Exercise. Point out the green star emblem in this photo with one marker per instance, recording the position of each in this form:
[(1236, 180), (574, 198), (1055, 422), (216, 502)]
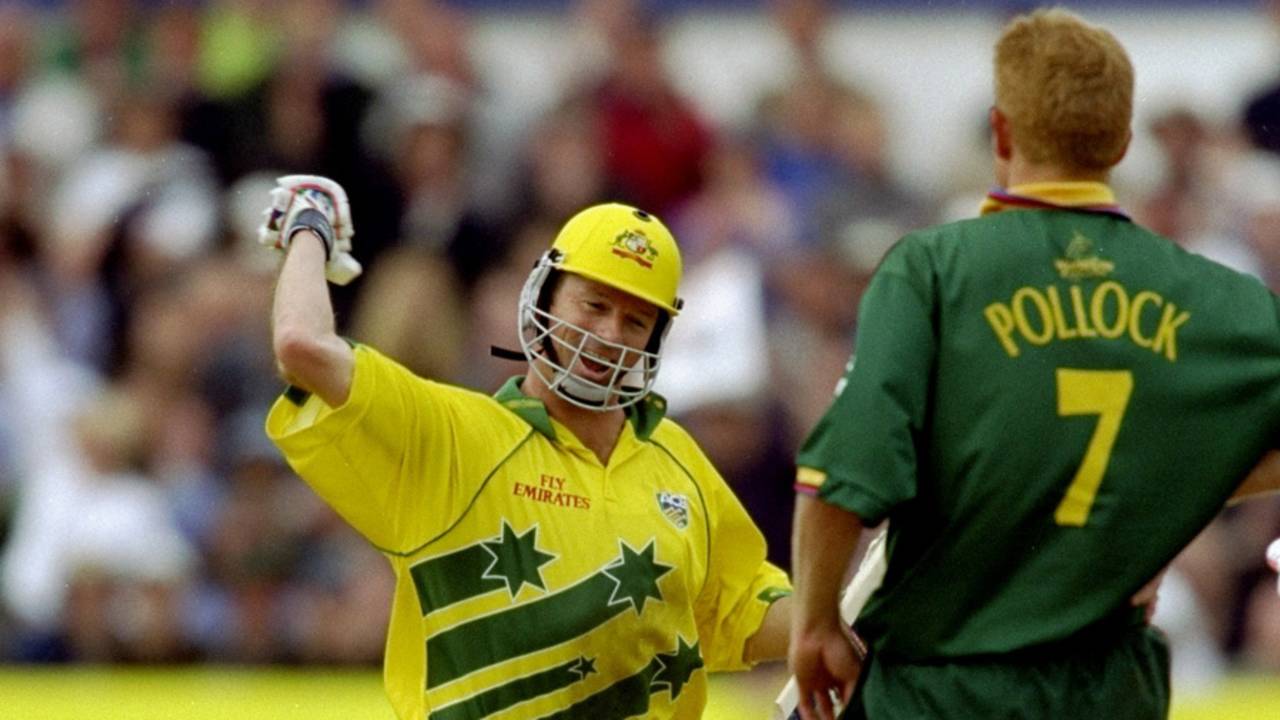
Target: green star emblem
[(677, 667), (584, 667), (636, 575), (517, 561)]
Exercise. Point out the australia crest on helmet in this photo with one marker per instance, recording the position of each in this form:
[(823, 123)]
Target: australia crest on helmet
[(633, 245)]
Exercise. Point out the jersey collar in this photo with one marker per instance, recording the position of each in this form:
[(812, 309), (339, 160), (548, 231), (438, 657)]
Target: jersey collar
[(1093, 197), (644, 415)]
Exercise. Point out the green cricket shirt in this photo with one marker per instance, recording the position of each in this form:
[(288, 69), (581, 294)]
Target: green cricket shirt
[(1047, 403)]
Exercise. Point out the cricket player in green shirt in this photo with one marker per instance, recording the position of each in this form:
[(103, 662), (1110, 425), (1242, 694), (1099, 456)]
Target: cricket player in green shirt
[(1047, 404), (561, 549)]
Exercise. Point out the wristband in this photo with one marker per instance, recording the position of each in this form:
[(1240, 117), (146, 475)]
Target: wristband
[(315, 221)]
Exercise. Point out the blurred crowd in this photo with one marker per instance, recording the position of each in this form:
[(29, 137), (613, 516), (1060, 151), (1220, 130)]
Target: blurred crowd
[(144, 517)]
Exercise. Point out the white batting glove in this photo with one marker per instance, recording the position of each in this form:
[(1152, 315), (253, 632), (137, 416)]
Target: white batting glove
[(318, 204)]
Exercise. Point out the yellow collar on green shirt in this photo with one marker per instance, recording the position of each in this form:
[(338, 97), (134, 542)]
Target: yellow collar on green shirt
[(1075, 195)]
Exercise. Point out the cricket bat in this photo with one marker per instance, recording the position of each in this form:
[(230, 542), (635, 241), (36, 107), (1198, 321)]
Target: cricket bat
[(868, 577)]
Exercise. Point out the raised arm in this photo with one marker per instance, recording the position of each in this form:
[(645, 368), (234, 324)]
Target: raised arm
[(309, 353), (310, 222)]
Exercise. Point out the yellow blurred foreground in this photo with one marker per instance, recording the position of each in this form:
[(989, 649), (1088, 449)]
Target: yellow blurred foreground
[(230, 693)]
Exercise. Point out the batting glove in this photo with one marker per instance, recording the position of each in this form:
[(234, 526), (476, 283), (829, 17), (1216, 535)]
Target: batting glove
[(318, 204)]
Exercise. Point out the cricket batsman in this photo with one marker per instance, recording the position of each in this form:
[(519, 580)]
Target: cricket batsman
[(561, 548)]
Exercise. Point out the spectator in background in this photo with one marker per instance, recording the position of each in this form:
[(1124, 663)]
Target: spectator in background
[(414, 296), (738, 230), (804, 23), (562, 165), (1187, 205), (655, 144), (129, 567), (795, 133), (281, 567), (96, 567), (123, 217), (15, 60), (1262, 110), (739, 209), (432, 38), (822, 146), (239, 41), (422, 126), (1175, 207), (399, 39), (100, 42), (858, 211), (490, 317), (816, 140), (171, 46), (1253, 190), (863, 193), (795, 120), (413, 305)]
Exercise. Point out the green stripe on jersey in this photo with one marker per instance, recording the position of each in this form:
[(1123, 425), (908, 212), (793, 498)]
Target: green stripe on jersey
[(517, 691), (452, 578), (510, 561), (625, 698), (628, 581), (630, 695)]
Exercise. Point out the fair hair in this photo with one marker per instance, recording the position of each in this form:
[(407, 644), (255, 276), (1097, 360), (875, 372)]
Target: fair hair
[(1066, 87)]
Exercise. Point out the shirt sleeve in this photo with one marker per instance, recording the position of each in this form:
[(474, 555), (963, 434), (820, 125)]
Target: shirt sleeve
[(861, 456), (740, 585), (384, 460)]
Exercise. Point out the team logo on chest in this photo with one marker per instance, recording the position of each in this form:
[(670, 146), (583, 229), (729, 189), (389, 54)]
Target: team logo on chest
[(675, 507)]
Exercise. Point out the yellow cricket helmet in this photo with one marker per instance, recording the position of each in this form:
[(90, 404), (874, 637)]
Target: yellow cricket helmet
[(622, 247)]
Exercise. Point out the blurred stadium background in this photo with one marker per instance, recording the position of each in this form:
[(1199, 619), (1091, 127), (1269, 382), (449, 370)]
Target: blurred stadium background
[(156, 558)]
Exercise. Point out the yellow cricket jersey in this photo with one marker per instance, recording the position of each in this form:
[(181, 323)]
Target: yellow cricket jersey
[(531, 581)]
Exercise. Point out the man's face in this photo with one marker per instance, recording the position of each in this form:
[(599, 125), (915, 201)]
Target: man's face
[(616, 317)]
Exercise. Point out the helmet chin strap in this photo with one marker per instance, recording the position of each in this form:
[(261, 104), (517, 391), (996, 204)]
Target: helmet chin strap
[(583, 391), (585, 394)]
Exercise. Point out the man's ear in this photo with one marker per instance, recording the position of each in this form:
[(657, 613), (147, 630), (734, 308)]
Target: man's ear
[(1001, 137)]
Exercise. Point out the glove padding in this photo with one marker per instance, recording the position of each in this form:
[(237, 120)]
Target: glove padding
[(292, 197)]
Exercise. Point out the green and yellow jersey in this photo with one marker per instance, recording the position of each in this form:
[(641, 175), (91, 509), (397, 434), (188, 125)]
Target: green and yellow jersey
[(1048, 403), (532, 581)]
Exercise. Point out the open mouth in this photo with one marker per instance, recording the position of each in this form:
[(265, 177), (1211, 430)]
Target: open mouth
[(594, 368)]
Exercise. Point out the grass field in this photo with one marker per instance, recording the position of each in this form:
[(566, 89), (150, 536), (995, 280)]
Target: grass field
[(229, 693)]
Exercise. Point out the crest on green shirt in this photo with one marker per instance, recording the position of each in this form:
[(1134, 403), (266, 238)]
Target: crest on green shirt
[(1082, 260)]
